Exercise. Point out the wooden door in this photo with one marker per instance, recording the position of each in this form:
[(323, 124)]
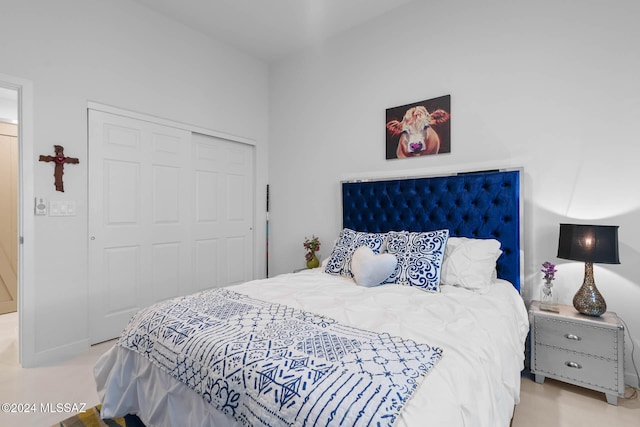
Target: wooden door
[(8, 217), (167, 216), (223, 212)]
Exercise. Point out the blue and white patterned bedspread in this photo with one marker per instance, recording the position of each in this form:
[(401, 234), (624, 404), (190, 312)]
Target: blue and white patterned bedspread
[(267, 364)]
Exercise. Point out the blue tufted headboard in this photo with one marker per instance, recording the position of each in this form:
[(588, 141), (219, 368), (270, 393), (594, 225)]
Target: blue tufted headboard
[(477, 205)]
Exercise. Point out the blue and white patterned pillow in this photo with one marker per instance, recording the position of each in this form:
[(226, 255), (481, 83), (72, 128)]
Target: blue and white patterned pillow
[(419, 258), (339, 263)]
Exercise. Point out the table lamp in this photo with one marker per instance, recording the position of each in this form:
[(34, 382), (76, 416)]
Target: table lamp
[(589, 243)]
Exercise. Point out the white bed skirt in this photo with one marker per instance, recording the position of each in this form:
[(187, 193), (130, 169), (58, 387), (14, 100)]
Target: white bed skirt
[(129, 384), (477, 382)]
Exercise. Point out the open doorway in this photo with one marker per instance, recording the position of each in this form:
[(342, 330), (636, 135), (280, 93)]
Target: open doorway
[(9, 211)]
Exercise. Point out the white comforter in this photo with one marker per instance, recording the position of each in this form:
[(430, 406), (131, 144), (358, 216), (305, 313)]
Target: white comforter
[(477, 382)]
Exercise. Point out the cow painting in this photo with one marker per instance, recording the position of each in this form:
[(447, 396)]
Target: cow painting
[(420, 130)]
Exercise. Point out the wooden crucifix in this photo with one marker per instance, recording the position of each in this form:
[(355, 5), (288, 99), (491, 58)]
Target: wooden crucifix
[(60, 161)]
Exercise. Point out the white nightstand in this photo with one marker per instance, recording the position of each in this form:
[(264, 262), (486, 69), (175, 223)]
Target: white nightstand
[(578, 349)]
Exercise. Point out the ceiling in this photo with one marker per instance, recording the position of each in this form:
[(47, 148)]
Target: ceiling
[(265, 29), (272, 29)]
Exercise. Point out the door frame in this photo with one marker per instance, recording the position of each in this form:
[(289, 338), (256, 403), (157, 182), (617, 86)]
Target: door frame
[(26, 297)]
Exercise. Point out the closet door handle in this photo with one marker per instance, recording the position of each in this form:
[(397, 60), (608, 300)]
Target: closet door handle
[(572, 337), (573, 365)]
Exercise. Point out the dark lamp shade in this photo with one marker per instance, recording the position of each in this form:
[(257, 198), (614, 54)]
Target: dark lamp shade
[(589, 243)]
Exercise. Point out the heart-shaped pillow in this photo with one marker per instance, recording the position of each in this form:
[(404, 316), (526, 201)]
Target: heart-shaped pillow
[(370, 269)]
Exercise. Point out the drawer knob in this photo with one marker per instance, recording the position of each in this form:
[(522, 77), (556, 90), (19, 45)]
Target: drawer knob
[(572, 337), (573, 365)]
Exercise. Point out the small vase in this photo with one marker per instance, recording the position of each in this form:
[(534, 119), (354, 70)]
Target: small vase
[(547, 296), (313, 262)]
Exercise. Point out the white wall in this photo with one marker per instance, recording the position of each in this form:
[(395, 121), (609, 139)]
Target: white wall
[(121, 54), (550, 86)]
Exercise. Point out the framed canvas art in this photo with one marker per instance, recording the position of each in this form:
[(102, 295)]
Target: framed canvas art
[(419, 129)]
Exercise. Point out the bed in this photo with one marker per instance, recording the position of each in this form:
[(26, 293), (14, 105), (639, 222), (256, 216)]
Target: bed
[(442, 343)]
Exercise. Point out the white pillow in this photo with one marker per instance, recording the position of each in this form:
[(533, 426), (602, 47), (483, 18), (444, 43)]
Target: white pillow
[(469, 263), (370, 269)]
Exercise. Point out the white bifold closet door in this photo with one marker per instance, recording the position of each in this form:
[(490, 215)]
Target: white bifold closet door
[(171, 212)]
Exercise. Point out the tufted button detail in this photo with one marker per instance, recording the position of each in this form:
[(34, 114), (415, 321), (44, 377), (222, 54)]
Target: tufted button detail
[(473, 205)]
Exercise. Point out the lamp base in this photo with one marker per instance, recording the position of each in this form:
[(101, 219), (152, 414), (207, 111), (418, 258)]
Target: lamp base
[(588, 300)]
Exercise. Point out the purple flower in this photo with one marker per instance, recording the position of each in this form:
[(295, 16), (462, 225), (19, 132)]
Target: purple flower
[(549, 271)]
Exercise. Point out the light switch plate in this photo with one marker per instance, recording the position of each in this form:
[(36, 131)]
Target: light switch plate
[(62, 208)]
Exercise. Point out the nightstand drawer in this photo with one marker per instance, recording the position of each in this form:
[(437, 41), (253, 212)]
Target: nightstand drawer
[(589, 370), (598, 341)]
